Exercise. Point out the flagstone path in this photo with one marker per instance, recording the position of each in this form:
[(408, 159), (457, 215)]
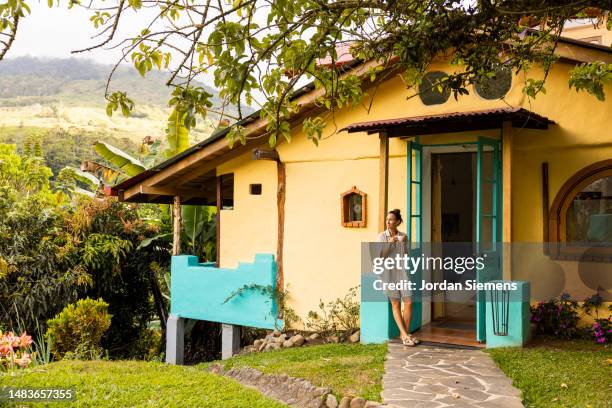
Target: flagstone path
[(430, 377)]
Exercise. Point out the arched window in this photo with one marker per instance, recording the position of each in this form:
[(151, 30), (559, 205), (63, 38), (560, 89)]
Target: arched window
[(581, 214), (353, 208)]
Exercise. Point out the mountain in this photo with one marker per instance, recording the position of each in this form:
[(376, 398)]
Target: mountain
[(69, 93), (59, 105)]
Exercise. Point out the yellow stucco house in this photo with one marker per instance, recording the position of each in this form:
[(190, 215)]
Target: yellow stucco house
[(493, 167)]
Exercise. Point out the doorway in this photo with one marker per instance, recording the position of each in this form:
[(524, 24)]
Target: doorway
[(453, 212)]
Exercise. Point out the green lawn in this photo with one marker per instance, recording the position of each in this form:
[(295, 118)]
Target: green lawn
[(555, 373), (348, 369), (137, 384)]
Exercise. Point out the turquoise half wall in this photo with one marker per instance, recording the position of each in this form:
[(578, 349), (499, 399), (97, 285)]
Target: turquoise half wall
[(243, 296), (519, 316), (376, 318)]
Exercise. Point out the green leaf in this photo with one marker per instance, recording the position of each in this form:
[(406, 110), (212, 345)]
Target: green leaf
[(86, 178), (177, 134), (118, 158)]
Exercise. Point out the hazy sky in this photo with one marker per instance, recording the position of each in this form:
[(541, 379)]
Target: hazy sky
[(54, 32)]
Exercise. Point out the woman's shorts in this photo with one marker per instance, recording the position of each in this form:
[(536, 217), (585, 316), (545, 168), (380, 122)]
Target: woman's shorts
[(398, 294)]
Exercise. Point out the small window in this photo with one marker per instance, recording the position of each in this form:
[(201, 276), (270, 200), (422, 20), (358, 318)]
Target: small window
[(227, 191), (431, 90), (255, 189), (353, 208), (497, 86)]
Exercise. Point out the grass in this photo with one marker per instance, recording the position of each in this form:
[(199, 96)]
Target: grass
[(137, 384), (559, 373), (348, 369)]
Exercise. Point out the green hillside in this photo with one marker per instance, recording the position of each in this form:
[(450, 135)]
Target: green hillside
[(60, 102)]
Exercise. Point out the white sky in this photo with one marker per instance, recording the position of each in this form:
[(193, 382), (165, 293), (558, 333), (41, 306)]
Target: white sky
[(54, 32)]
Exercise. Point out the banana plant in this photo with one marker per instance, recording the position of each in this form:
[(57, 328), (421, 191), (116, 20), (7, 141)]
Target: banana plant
[(123, 162), (177, 135)]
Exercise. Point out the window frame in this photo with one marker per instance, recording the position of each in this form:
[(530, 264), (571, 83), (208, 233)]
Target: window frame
[(557, 216), (345, 210)]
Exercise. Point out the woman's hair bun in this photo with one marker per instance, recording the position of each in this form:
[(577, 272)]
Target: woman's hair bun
[(398, 215)]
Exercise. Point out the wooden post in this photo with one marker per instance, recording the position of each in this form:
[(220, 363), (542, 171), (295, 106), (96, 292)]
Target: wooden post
[(218, 216), (507, 146), (178, 226), (280, 207), (545, 207), (383, 186)]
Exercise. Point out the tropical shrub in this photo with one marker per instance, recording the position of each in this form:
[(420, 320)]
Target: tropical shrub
[(38, 272), (79, 328), (557, 317), (341, 314), (14, 350)]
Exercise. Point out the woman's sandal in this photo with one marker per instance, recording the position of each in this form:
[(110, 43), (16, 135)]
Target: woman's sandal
[(414, 339), (408, 341)]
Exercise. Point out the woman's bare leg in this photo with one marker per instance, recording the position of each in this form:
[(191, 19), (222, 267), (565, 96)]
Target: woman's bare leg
[(397, 315), (407, 313)]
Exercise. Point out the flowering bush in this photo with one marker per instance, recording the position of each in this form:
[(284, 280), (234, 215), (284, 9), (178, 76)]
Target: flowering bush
[(14, 350), (557, 317), (602, 330), (79, 328)]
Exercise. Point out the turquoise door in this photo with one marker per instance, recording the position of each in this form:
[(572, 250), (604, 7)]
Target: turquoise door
[(414, 220), (488, 222)]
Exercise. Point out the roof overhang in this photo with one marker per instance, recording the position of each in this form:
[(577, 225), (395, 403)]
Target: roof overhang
[(453, 122), (190, 174)]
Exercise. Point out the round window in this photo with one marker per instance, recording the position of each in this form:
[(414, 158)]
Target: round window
[(431, 90), (497, 86)]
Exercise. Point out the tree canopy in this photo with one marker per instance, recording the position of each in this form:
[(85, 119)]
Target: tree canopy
[(270, 48)]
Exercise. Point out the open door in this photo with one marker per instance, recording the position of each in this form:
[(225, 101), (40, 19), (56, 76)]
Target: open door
[(414, 227), (488, 222)]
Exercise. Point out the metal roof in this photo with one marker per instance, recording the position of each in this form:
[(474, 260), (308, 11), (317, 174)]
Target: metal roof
[(453, 122)]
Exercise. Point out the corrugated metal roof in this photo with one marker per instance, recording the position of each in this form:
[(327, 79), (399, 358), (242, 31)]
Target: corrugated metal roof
[(453, 122)]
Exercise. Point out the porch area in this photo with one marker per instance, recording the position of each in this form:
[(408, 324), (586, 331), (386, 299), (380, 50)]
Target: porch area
[(483, 225)]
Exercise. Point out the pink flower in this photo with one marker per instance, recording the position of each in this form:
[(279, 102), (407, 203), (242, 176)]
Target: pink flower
[(24, 360), (6, 345), (14, 340), (25, 340)]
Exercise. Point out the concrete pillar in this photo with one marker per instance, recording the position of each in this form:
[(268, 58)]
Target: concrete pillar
[(175, 340), (230, 340)]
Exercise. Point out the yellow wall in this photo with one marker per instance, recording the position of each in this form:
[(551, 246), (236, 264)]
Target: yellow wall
[(322, 258), (251, 226)]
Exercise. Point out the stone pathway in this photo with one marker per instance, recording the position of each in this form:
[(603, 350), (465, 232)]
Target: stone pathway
[(429, 376)]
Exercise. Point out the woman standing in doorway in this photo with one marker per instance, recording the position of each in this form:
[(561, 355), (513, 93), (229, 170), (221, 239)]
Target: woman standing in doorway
[(397, 245)]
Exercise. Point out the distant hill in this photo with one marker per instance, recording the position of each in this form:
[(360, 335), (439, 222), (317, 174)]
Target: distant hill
[(54, 79), (69, 93), (60, 103)]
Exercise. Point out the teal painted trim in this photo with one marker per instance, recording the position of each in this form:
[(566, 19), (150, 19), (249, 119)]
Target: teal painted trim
[(493, 263), (199, 291), (409, 192), (519, 317), (415, 179), (376, 317)]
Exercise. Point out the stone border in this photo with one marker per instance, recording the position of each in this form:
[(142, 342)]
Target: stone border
[(295, 392)]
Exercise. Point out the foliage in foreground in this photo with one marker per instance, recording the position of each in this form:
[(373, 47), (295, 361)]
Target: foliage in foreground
[(79, 328), (348, 369), (57, 246), (559, 373), (111, 384)]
